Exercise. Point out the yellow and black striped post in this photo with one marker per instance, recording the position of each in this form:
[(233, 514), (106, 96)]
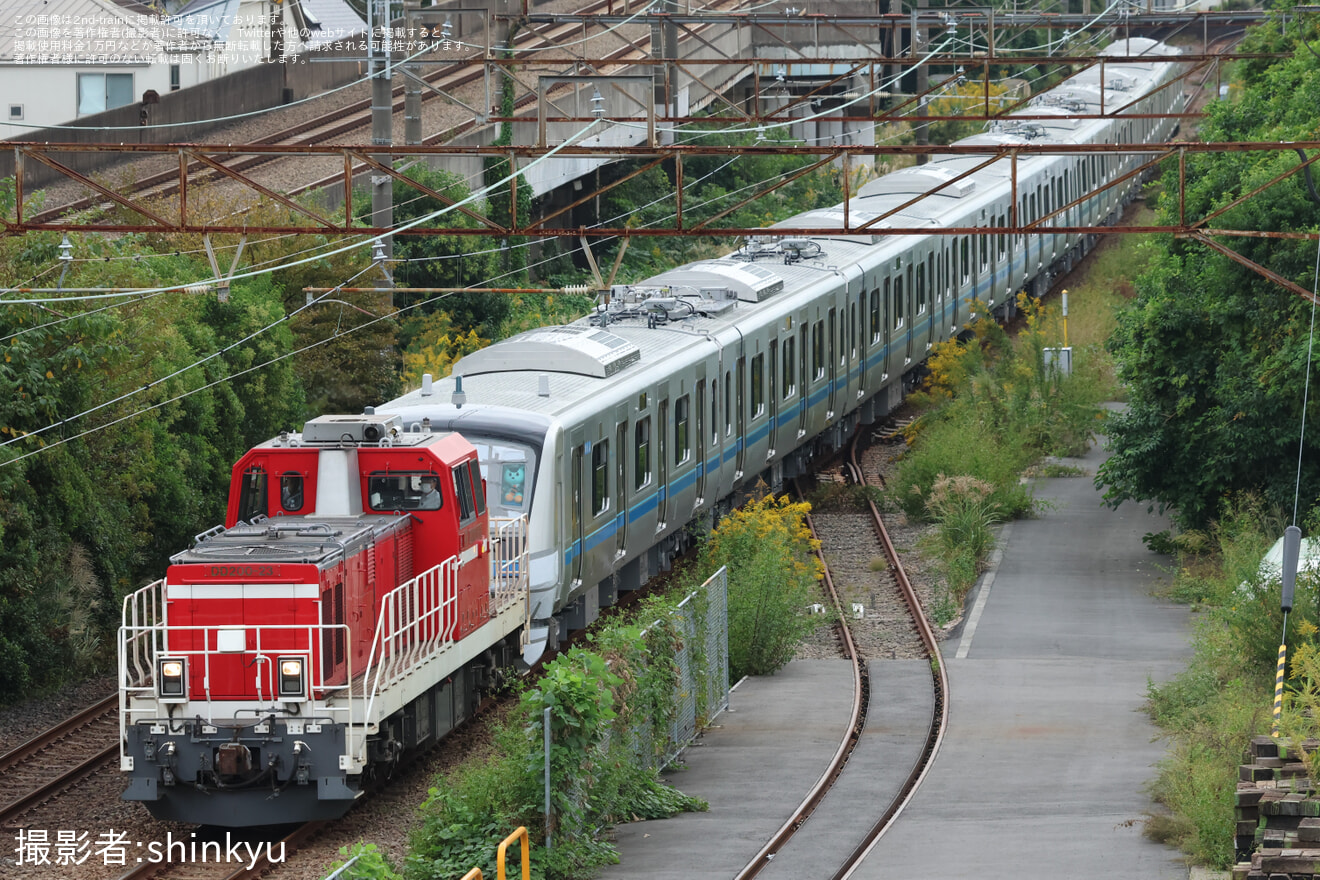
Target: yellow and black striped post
[(1278, 689)]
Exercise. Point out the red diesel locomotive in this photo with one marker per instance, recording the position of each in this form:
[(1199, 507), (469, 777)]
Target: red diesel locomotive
[(354, 604)]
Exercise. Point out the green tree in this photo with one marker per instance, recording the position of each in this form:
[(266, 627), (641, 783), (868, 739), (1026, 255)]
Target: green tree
[(1213, 355)]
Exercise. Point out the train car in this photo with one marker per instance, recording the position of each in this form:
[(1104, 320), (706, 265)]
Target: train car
[(622, 434), (353, 605)]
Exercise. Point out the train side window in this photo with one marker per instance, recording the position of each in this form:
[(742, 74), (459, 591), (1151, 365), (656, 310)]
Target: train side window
[(790, 367), (714, 412), (985, 250), (876, 311), (698, 411), (758, 385), (818, 350), (252, 500), (600, 477), (965, 258), (728, 403), (852, 328), (479, 489), (291, 491), (921, 288), (682, 440), (1002, 237), (642, 453), (898, 302)]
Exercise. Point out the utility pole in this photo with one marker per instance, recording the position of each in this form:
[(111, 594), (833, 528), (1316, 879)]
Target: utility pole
[(382, 118), (412, 89), (382, 135), (920, 37)]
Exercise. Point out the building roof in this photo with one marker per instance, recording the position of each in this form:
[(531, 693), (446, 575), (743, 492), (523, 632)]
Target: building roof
[(87, 31), (328, 21), (212, 19)]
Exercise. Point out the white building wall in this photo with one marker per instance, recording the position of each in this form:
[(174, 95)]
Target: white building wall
[(48, 93)]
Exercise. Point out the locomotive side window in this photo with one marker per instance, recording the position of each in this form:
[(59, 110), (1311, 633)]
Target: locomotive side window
[(642, 453), (467, 508), (252, 499), (291, 491), (478, 495), (600, 477)]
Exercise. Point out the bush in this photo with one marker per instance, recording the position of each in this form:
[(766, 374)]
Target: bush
[(610, 705), (773, 573)]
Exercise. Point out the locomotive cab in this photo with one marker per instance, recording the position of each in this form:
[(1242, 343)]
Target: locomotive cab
[(316, 634)]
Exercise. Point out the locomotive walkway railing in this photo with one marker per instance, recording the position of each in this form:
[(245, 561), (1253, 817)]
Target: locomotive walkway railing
[(419, 620), (145, 636)]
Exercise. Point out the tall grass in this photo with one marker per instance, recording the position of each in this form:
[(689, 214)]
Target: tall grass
[(1212, 708)]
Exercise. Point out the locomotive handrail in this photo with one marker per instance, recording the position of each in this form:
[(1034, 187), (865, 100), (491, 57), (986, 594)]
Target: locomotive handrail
[(419, 619), (143, 638)]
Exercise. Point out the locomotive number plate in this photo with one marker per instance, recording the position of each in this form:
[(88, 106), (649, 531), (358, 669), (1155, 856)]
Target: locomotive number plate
[(242, 571)]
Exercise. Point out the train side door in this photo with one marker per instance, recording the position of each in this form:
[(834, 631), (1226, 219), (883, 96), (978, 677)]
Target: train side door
[(621, 481), (740, 411), (699, 414), (773, 383), (577, 480), (804, 377), (662, 460), (832, 352), (909, 318)]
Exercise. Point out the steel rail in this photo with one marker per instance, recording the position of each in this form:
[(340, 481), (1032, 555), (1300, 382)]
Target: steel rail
[(91, 714), (58, 784), (856, 722), (940, 683)]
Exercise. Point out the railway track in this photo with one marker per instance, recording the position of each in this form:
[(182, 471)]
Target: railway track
[(857, 537), (50, 762), (352, 117)]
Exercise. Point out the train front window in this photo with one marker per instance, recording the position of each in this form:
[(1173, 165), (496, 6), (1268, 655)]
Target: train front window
[(291, 491), (509, 469), (403, 491)]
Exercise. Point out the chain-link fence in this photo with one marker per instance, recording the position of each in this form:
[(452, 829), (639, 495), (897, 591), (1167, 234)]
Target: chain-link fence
[(703, 661), (698, 631)]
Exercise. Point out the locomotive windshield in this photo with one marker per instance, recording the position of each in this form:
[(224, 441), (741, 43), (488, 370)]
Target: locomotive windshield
[(509, 470), (403, 491)]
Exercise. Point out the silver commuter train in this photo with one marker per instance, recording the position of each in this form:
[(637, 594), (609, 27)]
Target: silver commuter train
[(620, 432)]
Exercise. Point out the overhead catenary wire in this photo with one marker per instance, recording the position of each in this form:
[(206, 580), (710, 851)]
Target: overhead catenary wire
[(417, 221)]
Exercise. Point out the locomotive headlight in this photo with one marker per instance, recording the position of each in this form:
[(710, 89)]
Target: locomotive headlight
[(172, 679), (293, 685)]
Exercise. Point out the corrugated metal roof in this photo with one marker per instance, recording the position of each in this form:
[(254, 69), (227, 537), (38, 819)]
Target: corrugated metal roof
[(328, 21), (212, 19)]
